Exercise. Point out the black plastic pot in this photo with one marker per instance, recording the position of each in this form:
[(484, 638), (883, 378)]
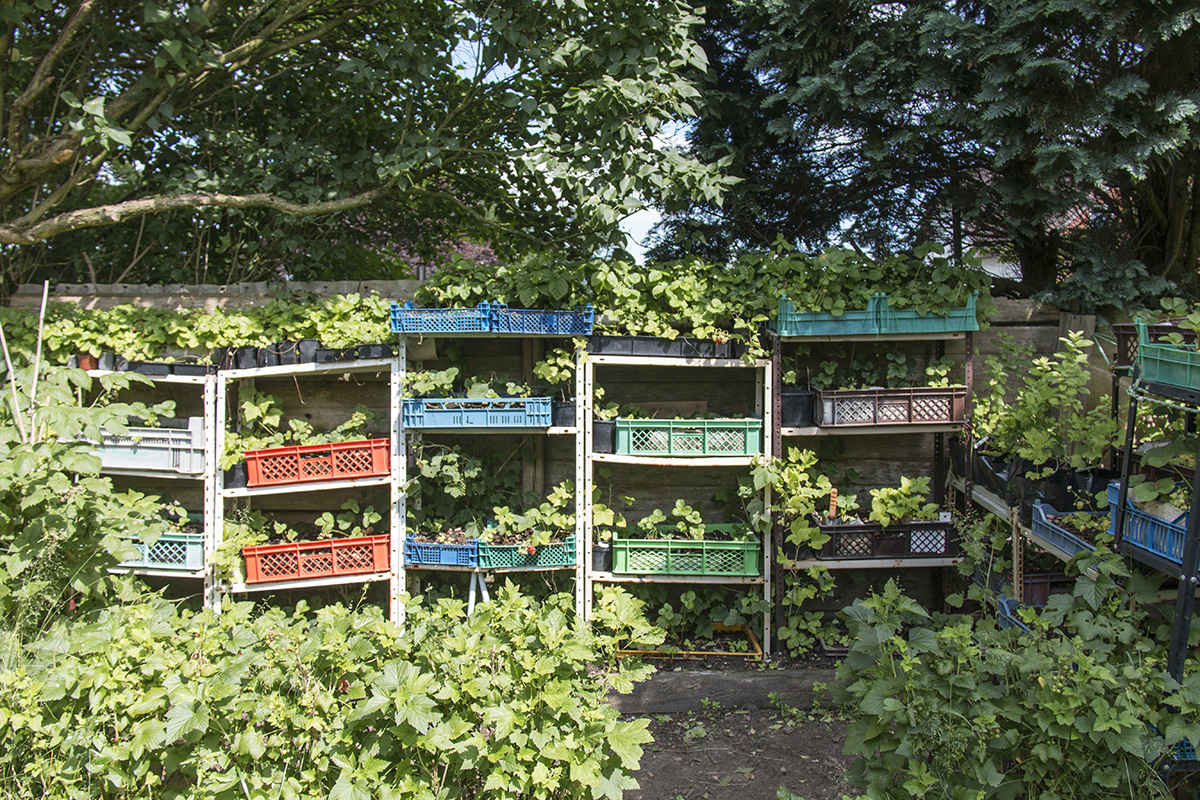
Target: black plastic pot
[(562, 413), (120, 363), (797, 407), (654, 346), (236, 476), (610, 345), (286, 352), (374, 351), (194, 370), (267, 356), (696, 348), (329, 355), (246, 358), (223, 357), (107, 361), (604, 435), (602, 559), (149, 367), (306, 350)]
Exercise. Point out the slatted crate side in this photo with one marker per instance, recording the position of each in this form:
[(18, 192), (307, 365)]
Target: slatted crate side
[(325, 558), (318, 462), (902, 406)]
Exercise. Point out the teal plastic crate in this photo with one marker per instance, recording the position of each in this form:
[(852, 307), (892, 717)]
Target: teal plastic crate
[(688, 437), (687, 557), (181, 551), (453, 413), (511, 556), (856, 322), (1166, 363), (906, 320), (143, 449)]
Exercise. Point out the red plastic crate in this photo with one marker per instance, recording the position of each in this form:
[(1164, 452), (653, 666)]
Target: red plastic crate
[(296, 560), (318, 462)]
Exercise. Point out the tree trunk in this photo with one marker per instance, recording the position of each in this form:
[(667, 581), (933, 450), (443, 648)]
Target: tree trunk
[(1038, 255)]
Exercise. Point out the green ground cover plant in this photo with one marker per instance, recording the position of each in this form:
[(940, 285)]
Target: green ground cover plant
[(144, 700)]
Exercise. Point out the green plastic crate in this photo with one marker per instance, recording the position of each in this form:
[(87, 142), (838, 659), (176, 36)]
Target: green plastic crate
[(687, 557), (1166, 363), (906, 320), (854, 322), (689, 437), (508, 556)]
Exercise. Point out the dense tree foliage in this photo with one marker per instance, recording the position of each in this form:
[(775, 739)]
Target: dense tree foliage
[(1059, 135), (227, 140)]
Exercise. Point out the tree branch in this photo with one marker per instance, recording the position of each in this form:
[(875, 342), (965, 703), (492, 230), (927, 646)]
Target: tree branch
[(113, 214)]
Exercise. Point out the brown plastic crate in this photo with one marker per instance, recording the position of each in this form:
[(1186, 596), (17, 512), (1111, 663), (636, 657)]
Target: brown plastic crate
[(909, 406)]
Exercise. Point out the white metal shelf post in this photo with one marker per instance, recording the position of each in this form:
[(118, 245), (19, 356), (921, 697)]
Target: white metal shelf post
[(583, 485), (398, 585), (212, 494)]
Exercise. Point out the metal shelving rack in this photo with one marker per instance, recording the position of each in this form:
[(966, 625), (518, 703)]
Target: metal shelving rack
[(395, 576), (208, 386), (477, 584), (586, 461)]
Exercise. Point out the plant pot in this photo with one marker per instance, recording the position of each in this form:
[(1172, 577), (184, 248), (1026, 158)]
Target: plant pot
[(610, 345), (222, 357), (120, 363), (245, 358), (106, 362), (604, 435), (267, 357), (236, 476), (602, 557), (696, 348), (149, 368), (562, 413), (286, 352), (87, 361), (797, 407), (306, 351), (328, 355), (374, 351), (193, 370), (656, 347)]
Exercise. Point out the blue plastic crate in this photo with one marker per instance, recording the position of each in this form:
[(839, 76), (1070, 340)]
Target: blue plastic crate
[(542, 321), (182, 551), (1057, 535), (1158, 536), (441, 555), (455, 413), (1006, 614), (407, 319)]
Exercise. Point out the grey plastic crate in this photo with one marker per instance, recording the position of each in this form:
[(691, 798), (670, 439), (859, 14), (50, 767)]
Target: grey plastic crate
[(178, 450)]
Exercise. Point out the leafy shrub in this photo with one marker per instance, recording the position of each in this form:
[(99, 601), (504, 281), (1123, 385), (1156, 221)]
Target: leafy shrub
[(148, 702), (951, 706)]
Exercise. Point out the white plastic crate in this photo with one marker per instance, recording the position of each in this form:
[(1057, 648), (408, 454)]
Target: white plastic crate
[(155, 449)]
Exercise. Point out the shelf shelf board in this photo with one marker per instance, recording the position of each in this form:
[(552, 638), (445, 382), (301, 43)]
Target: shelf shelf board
[(875, 563), (154, 474), (312, 486), (197, 380), (743, 580), (676, 361), (150, 572), (562, 431), (683, 461), (499, 570), (484, 431), (307, 583), (312, 368), (882, 338), (868, 430)]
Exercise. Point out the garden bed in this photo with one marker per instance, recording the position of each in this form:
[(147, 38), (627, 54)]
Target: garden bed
[(326, 558)]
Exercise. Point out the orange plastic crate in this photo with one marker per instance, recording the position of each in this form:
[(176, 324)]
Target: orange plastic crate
[(297, 560), (318, 462)]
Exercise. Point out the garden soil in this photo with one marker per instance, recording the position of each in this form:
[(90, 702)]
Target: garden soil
[(733, 729)]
